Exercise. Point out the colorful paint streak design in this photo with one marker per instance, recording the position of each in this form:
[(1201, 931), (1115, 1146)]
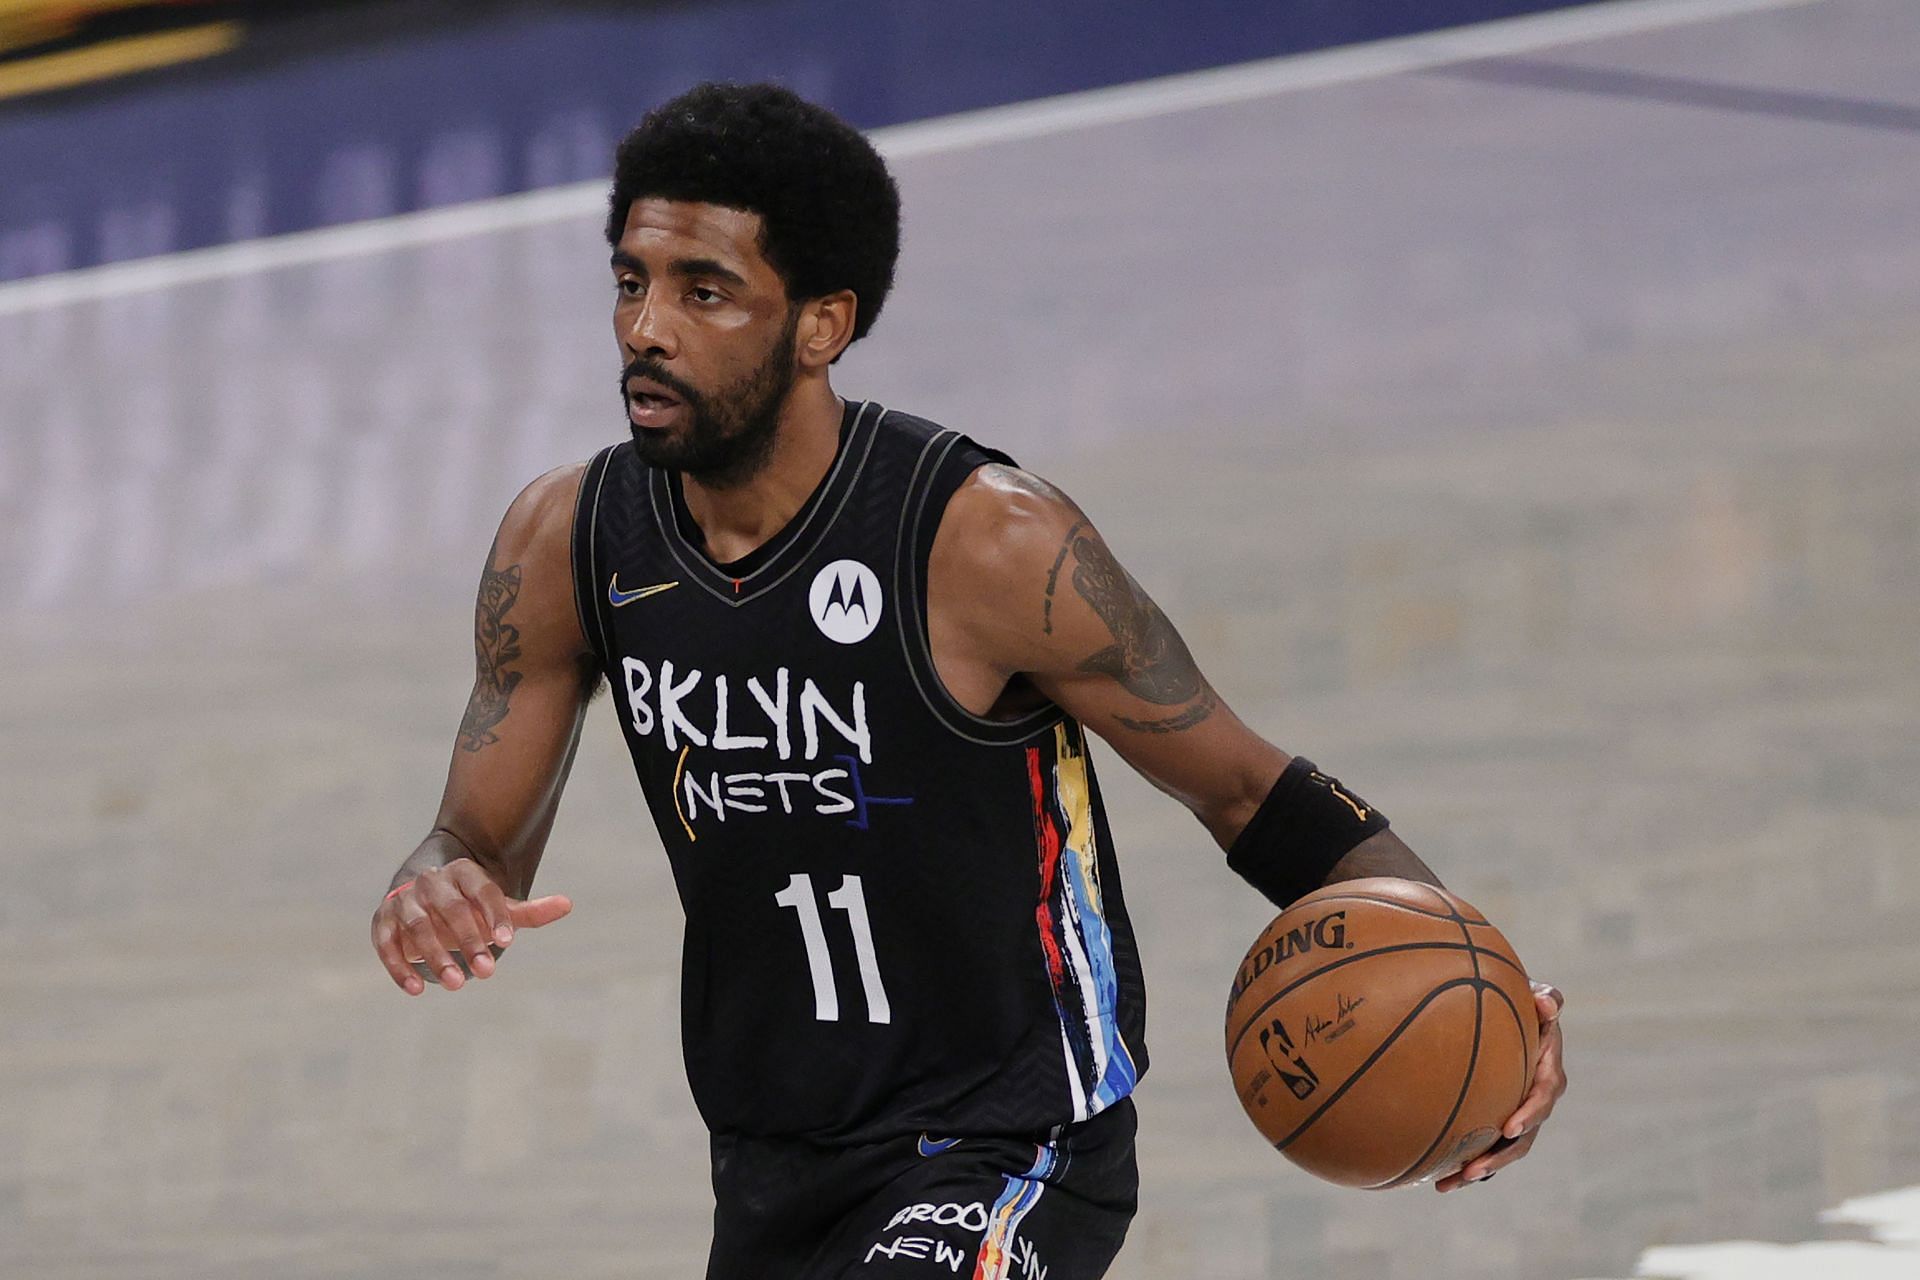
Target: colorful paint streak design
[(1074, 936), (996, 1256)]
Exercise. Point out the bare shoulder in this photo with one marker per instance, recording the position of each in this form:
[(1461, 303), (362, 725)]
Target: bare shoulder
[(1001, 517), (540, 518), (1004, 547), (1016, 493)]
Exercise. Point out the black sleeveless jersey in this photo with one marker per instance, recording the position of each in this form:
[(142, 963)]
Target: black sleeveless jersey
[(900, 916)]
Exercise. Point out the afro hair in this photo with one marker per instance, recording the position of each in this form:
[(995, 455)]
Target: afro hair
[(829, 209)]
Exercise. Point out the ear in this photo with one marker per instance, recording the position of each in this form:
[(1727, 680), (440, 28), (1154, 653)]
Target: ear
[(825, 327)]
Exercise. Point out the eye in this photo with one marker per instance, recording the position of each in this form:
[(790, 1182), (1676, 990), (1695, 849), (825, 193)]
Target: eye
[(701, 293), (630, 286)]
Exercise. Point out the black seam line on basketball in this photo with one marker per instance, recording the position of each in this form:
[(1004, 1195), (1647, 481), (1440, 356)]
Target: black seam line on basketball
[(1341, 963), (1404, 906), (1479, 1011), (1495, 955), (1473, 953), (1466, 1083), (1473, 1059), (1520, 1026), (1483, 989), (1466, 936), (1473, 1054), (1378, 1051)]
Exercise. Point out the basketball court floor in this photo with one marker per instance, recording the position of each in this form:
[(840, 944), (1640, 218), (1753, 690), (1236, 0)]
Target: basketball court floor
[(1519, 421)]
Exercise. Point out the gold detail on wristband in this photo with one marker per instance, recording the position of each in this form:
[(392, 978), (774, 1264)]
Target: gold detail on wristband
[(1360, 811)]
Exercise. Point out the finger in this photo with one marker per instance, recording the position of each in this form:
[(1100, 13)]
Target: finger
[(1549, 1000), (488, 899), (458, 921), (1495, 1158), (540, 911), (423, 940), (455, 917), (386, 944), (1549, 1082), (1459, 1177)]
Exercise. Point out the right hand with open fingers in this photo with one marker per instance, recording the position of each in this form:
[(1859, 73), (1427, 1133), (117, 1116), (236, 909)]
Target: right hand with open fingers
[(451, 922)]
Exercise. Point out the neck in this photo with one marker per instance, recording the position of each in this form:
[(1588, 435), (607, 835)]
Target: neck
[(739, 518)]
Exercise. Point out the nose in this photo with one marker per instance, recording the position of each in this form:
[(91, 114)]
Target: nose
[(649, 330)]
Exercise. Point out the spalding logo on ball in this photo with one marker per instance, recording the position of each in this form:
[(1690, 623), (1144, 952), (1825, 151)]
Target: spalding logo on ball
[(1380, 1032)]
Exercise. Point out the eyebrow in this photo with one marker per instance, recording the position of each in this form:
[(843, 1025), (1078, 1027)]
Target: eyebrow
[(709, 267)]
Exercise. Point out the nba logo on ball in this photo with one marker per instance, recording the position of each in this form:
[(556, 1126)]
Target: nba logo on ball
[(845, 601)]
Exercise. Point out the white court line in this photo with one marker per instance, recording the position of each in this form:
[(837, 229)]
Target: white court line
[(1094, 107), (1253, 80), (1892, 1219)]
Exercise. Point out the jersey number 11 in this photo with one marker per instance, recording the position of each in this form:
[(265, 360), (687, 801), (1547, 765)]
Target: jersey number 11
[(848, 898)]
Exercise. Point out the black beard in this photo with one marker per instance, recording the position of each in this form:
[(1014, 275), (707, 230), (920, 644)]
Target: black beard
[(730, 434)]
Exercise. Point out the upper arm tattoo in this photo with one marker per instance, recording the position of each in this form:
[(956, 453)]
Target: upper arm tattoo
[(496, 646), (1148, 658), (1053, 577)]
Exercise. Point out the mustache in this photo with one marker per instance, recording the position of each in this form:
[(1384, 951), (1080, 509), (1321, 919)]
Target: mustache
[(653, 370)]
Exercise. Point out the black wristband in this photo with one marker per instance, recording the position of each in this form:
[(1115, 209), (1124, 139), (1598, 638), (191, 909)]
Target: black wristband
[(1307, 823)]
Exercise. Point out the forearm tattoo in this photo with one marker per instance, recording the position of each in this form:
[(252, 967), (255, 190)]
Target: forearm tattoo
[(1148, 658), (1192, 716), (496, 646)]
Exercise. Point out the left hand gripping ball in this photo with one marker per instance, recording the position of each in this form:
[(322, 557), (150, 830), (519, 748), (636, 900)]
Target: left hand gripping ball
[(1380, 1032)]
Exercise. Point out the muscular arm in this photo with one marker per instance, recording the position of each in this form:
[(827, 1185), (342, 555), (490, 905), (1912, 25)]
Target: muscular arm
[(1024, 589), (533, 673)]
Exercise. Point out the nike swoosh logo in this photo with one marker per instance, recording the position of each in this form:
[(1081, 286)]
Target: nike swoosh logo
[(616, 597), (934, 1146)]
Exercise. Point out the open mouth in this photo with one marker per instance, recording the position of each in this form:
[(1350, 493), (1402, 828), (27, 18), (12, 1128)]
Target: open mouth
[(649, 404)]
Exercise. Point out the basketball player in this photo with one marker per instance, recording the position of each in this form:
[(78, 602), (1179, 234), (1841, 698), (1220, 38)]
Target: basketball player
[(855, 658)]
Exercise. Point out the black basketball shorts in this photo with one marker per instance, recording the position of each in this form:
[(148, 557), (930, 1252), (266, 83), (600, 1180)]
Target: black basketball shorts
[(926, 1206)]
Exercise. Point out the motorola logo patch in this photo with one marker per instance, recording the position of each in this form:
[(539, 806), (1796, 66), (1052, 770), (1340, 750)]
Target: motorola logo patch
[(845, 601)]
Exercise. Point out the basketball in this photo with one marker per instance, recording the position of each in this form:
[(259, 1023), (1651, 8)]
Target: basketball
[(1379, 1033)]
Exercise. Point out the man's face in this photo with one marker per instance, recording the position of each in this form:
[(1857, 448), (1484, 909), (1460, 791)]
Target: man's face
[(706, 332)]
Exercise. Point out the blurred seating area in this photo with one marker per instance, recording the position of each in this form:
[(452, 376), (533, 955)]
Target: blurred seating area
[(130, 128), (51, 46)]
